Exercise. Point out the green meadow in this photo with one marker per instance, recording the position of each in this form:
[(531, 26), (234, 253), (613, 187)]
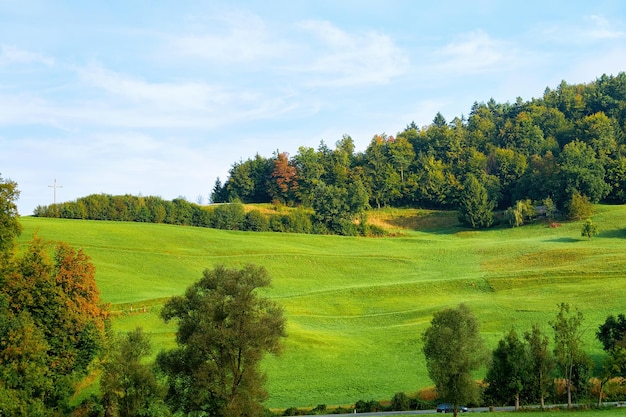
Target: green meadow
[(357, 307)]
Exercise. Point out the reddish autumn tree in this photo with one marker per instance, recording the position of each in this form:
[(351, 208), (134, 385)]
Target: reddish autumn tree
[(284, 180), (60, 297)]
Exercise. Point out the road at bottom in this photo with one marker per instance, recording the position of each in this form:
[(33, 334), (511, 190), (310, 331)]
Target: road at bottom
[(413, 412), (470, 410)]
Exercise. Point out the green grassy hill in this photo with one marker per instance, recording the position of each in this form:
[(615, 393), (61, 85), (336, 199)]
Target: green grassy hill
[(357, 307)]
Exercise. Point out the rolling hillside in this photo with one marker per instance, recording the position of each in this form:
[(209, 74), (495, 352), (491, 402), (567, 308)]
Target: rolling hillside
[(356, 307)]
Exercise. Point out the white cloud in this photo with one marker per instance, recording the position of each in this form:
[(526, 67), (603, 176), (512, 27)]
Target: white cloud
[(183, 95), (592, 29), (10, 54), (601, 28), (347, 59), (114, 100), (474, 52), (231, 39)]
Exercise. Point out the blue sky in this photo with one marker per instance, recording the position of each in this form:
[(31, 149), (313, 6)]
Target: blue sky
[(162, 97)]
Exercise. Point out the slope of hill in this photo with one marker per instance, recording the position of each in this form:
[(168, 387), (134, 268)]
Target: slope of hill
[(357, 307)]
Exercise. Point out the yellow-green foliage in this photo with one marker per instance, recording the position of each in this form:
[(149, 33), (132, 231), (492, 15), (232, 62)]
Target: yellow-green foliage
[(356, 308)]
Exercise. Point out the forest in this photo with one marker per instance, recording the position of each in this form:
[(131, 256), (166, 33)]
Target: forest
[(564, 147)]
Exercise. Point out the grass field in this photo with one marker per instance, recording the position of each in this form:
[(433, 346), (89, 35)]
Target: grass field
[(357, 307)]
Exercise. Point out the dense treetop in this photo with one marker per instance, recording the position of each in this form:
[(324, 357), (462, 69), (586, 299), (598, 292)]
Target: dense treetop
[(570, 140)]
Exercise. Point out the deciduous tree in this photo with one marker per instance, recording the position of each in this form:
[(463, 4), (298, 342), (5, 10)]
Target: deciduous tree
[(454, 349), (508, 374), (10, 227), (568, 344), (589, 229), (541, 362), (284, 180), (224, 330), (128, 384), (612, 331)]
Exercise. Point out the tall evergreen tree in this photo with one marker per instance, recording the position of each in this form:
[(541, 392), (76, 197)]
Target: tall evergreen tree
[(475, 208)]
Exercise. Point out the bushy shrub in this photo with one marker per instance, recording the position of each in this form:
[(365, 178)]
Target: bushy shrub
[(256, 221), (293, 411), (400, 402), (277, 223), (579, 207), (319, 409), (229, 216), (371, 406), (300, 222)]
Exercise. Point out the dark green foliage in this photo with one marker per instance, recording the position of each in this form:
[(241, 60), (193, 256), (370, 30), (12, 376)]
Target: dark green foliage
[(589, 229), (293, 411), (400, 402), (128, 385), (319, 409), (541, 364), (25, 375), (336, 207), (454, 349), (300, 222), (248, 181), (128, 208), (256, 221), (371, 406), (229, 216), (475, 208), (509, 372), (224, 330), (218, 194), (612, 332), (580, 171)]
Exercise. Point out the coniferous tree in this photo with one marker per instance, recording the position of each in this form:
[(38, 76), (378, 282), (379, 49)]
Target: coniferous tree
[(475, 208)]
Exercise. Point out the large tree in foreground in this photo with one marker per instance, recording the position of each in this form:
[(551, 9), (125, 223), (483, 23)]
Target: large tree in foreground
[(224, 329), (454, 349)]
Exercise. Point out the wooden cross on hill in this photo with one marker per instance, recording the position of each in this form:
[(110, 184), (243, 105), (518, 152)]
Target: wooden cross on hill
[(55, 186)]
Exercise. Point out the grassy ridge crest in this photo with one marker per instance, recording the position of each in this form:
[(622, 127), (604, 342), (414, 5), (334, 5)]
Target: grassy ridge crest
[(357, 307)]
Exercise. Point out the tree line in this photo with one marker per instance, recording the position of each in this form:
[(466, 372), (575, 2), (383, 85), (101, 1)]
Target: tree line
[(565, 150), (570, 142), (327, 218), (522, 369)]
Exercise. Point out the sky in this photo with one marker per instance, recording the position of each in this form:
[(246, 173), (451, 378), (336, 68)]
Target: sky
[(163, 97)]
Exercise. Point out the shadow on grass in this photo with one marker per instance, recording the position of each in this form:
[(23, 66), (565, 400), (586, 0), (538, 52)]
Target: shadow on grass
[(613, 234), (436, 222), (565, 240)]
